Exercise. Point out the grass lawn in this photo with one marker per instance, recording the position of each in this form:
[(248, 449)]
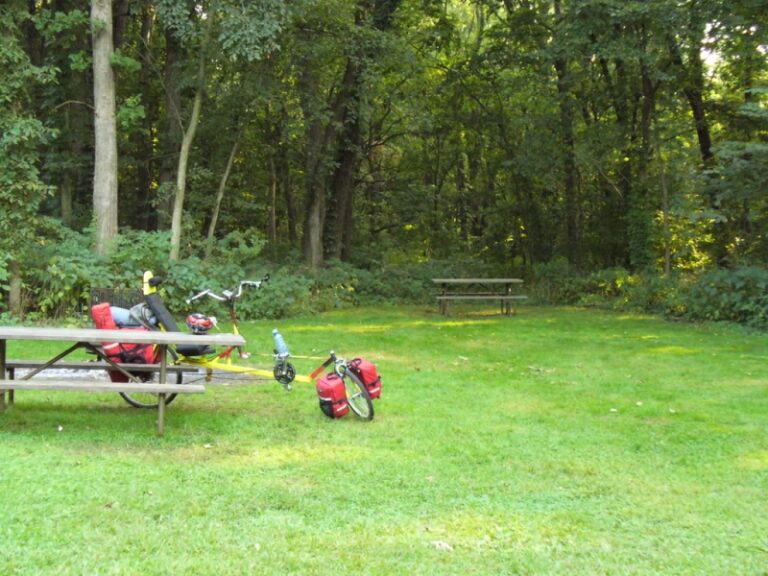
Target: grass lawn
[(558, 441)]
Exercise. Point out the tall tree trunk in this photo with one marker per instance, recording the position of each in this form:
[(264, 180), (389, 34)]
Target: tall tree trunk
[(340, 228), (146, 217), (693, 89), (666, 233), (121, 15), (272, 225), (615, 248), (692, 77), (566, 104), (181, 174), (66, 188), (171, 139), (640, 221), (105, 163), (286, 187), (279, 138), (15, 304), (314, 215), (573, 247), (186, 148), (343, 185), (320, 135), (220, 195)]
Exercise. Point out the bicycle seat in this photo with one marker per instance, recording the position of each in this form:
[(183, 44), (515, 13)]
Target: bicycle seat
[(194, 349), (165, 319)]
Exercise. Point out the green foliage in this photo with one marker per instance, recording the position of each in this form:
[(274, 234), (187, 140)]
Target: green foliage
[(737, 182), (80, 61), (123, 62), (21, 134), (58, 280), (249, 30), (52, 23), (287, 293), (134, 252), (739, 295), (130, 113), (176, 16), (557, 282)]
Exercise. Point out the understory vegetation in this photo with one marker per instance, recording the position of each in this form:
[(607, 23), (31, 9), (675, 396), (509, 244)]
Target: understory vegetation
[(59, 281)]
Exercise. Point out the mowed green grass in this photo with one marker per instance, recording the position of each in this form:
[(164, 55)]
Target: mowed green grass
[(557, 441)]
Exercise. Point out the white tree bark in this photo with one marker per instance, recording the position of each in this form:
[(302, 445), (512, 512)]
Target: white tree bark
[(105, 126)]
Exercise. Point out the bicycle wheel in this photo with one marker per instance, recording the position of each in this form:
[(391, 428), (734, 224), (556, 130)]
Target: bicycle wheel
[(141, 400), (357, 396), (285, 374)]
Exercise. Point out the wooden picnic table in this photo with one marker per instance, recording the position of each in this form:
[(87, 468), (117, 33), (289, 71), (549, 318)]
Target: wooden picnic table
[(91, 339), (502, 289)]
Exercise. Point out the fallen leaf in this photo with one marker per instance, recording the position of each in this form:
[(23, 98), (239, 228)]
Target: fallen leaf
[(440, 545)]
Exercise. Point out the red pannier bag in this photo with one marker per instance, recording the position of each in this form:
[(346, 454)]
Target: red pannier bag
[(368, 375), (332, 395), (117, 352)]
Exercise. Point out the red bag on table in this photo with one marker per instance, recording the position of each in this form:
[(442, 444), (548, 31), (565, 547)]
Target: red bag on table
[(117, 352)]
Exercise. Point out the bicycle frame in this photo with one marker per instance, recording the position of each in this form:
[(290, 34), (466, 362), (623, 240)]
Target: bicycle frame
[(283, 371)]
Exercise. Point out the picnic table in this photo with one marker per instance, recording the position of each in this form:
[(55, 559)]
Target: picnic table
[(502, 289), (91, 339)]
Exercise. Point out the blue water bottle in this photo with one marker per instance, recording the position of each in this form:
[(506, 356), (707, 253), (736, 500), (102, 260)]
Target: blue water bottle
[(281, 348)]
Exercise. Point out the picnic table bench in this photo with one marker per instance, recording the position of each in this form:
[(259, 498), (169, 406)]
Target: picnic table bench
[(91, 339), (501, 289)]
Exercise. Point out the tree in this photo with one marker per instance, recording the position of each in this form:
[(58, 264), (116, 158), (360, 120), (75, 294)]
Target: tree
[(243, 31), (21, 189), (105, 126)]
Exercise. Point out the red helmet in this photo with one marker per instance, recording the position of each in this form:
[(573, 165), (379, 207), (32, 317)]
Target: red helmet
[(200, 323)]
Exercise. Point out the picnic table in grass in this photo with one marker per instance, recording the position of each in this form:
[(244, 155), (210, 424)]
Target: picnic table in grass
[(91, 340), (505, 290)]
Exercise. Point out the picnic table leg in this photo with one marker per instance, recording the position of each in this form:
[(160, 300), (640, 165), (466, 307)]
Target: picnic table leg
[(161, 398), (161, 414), (2, 374)]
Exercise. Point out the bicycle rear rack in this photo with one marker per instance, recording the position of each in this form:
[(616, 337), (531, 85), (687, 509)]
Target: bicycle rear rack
[(121, 297)]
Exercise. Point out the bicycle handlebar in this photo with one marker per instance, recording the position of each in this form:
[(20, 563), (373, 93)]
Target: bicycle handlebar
[(229, 295)]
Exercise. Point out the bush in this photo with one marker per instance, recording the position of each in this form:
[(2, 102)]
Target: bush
[(737, 295), (557, 282), (58, 280)]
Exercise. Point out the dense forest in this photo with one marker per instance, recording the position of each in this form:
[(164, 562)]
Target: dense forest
[(598, 140)]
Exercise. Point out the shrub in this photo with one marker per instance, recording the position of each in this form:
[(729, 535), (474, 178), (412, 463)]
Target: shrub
[(737, 295), (557, 282), (59, 278)]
